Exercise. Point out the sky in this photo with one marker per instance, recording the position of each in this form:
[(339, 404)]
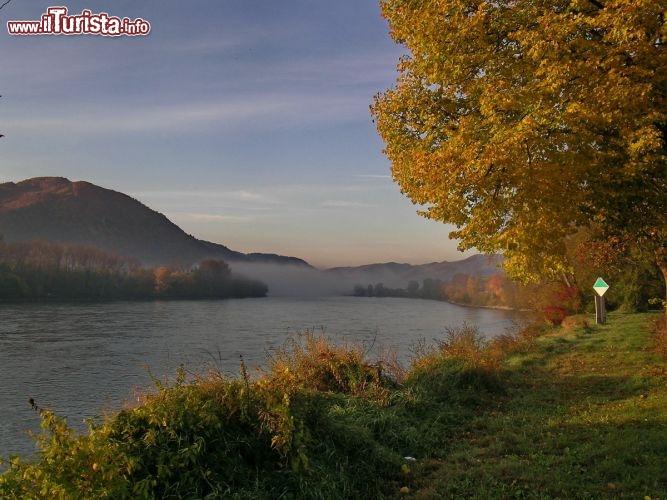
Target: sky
[(246, 123)]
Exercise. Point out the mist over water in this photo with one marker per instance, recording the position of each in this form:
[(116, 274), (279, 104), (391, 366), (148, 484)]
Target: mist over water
[(286, 280)]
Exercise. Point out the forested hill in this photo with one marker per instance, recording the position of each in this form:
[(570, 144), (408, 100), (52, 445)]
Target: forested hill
[(395, 274), (58, 210)]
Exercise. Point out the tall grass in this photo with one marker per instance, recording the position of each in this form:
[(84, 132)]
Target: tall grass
[(322, 421), (572, 412)]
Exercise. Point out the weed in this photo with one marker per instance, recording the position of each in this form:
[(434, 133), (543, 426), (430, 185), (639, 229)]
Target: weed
[(572, 412), (313, 362)]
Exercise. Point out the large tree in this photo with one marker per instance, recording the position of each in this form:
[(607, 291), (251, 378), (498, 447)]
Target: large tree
[(522, 121)]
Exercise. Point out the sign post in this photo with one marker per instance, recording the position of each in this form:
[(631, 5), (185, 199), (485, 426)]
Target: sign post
[(600, 288)]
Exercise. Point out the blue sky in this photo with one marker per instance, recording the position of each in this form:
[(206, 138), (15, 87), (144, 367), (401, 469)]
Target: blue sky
[(244, 122)]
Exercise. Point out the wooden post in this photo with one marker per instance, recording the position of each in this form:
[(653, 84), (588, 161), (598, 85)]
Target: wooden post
[(600, 288), (600, 311)]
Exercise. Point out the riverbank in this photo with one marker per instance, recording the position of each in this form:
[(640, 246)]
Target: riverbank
[(493, 308), (584, 416), (573, 412)]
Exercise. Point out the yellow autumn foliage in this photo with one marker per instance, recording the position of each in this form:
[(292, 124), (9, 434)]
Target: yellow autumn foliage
[(521, 121)]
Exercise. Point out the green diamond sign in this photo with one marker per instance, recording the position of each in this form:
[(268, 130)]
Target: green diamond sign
[(600, 287)]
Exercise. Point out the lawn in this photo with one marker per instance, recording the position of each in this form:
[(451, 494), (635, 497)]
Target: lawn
[(584, 416)]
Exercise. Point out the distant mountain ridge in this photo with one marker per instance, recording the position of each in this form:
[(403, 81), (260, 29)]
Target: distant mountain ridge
[(57, 209), (398, 275)]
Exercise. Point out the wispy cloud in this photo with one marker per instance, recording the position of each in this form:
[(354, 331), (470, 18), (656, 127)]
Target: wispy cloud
[(367, 69), (245, 94), (210, 217), (217, 43), (213, 196), (247, 112), (372, 176), (251, 196), (346, 204)]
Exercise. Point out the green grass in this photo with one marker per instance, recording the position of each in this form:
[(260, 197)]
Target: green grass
[(574, 412), (585, 416)]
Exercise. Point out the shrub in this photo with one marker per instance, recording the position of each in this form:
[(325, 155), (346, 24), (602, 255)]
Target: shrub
[(313, 362), (460, 369), (301, 431), (321, 422), (464, 343), (514, 342)]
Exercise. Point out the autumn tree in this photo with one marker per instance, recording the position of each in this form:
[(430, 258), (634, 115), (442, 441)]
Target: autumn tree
[(630, 269), (213, 277), (496, 287), (522, 121), (413, 288), (162, 277)]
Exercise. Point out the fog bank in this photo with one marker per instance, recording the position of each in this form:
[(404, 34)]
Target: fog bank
[(285, 280)]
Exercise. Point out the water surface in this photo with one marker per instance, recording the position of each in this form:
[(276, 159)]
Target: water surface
[(81, 359)]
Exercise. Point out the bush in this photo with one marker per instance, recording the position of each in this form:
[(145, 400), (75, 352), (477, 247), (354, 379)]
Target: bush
[(321, 422), (510, 342), (298, 434), (464, 343), (462, 369), (314, 363)]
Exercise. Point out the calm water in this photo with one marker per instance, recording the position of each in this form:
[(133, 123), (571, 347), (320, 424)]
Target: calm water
[(81, 359)]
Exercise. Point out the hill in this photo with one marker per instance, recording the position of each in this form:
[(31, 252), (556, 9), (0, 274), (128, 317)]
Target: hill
[(59, 210), (398, 275)]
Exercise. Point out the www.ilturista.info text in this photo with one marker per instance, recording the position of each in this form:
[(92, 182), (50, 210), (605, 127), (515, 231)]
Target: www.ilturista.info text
[(56, 22)]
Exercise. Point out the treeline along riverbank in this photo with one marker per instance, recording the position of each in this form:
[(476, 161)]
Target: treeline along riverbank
[(43, 270), (464, 289)]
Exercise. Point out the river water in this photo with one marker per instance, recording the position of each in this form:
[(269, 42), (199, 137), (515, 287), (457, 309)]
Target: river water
[(83, 359)]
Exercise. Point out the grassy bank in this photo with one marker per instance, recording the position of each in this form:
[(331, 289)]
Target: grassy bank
[(585, 416), (577, 412)]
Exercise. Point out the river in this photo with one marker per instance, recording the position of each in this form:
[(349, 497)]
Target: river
[(84, 359)]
